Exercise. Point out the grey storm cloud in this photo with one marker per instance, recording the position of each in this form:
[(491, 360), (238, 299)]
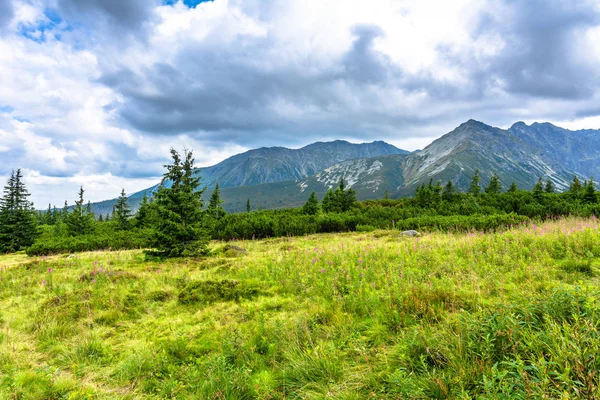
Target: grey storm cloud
[(541, 56), (116, 16), (225, 93), (6, 13)]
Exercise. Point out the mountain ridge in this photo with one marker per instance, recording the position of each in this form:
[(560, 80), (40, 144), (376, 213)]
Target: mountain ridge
[(522, 153)]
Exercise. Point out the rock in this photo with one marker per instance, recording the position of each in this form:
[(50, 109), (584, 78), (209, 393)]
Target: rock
[(411, 233), (232, 250)]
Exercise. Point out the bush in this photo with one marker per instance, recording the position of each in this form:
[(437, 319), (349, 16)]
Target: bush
[(117, 240)]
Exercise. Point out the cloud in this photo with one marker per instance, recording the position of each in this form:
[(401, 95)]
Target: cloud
[(544, 47), (6, 13), (93, 89), (108, 15)]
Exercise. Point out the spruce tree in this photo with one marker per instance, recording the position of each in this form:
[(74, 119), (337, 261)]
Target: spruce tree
[(589, 192), (328, 202), (18, 224), (248, 205), (386, 195), (344, 198), (437, 191), (79, 221), (513, 188), (122, 212), (549, 187), (538, 191), (311, 207), (215, 209), (495, 186), (64, 213), (474, 188), (142, 216), (575, 188), (449, 191), (179, 217), (100, 218)]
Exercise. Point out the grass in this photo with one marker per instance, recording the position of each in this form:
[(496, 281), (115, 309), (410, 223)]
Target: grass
[(347, 316)]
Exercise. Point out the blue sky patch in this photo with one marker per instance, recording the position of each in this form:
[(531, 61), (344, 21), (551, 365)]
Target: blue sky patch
[(189, 3)]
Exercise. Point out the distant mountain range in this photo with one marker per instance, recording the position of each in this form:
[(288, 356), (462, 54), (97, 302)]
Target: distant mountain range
[(278, 177)]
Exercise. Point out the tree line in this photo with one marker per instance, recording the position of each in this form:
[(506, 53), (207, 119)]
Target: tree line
[(174, 221)]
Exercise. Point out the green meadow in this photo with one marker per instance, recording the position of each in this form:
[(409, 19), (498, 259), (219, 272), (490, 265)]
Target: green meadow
[(505, 315)]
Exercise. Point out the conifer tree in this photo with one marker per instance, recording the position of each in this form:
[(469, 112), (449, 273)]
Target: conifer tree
[(107, 218), (386, 195), (549, 187), (18, 225), (328, 202), (311, 207), (513, 188), (215, 208), (179, 217), (142, 217), (474, 188), (589, 192), (495, 186), (449, 191), (64, 213), (79, 221), (248, 205), (344, 198), (575, 188), (437, 191), (122, 212), (538, 191), (100, 218)]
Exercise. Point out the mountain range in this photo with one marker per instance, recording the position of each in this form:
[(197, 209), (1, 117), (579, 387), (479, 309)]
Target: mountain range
[(278, 177)]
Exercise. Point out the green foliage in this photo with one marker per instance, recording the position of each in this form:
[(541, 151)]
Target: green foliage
[(340, 200), (143, 216), (312, 205), (18, 224), (549, 187), (575, 188), (102, 239), (215, 209), (179, 226), (213, 291), (474, 188), (538, 191), (494, 187), (79, 221), (122, 212), (589, 192)]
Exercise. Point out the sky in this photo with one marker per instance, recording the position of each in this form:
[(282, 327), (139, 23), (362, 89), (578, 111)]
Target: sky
[(96, 92)]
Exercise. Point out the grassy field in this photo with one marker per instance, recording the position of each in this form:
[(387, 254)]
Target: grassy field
[(345, 316)]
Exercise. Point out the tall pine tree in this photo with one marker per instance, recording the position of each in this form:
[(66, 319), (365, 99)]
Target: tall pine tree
[(311, 207), (79, 220), (215, 209), (122, 212), (495, 186), (474, 188), (18, 225), (179, 223), (142, 217)]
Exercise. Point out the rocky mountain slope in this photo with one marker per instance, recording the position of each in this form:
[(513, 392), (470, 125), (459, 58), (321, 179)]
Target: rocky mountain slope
[(279, 177)]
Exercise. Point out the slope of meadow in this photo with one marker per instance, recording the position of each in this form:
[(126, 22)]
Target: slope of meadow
[(346, 316)]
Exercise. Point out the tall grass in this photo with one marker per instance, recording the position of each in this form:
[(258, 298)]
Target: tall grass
[(514, 314)]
